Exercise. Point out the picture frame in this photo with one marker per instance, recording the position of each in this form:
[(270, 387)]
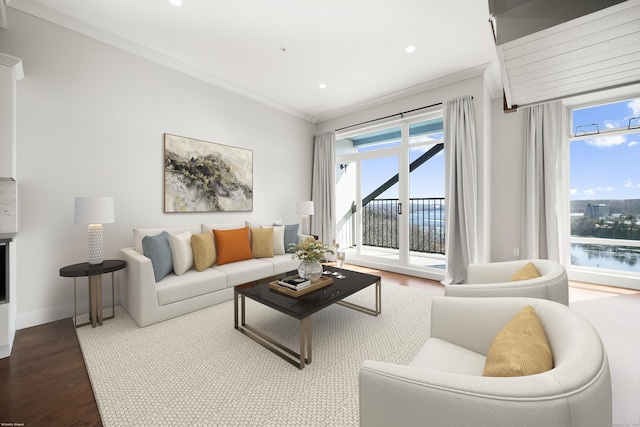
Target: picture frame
[(202, 176)]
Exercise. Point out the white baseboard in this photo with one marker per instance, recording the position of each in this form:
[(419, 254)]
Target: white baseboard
[(5, 351), (40, 317)]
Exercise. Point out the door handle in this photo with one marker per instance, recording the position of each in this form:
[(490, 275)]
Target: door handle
[(399, 208)]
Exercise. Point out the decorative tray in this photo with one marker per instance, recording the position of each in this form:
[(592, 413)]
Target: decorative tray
[(320, 283)]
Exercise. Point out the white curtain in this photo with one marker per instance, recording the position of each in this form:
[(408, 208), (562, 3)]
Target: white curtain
[(541, 231), (461, 190), (323, 190)]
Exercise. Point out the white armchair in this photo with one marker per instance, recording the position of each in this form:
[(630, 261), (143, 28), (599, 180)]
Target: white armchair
[(443, 386), (494, 280)]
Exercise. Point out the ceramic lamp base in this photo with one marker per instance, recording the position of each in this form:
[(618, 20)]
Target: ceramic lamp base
[(96, 254)]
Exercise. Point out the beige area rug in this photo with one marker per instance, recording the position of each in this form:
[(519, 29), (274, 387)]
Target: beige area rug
[(616, 318), (198, 370)]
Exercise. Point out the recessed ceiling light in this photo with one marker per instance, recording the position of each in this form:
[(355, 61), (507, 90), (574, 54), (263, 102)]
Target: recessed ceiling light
[(410, 49), (322, 86), (176, 2)]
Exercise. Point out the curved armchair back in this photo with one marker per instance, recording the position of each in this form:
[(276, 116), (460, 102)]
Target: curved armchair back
[(438, 387), (494, 280)]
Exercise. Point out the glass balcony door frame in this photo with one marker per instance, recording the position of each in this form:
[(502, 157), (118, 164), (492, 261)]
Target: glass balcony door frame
[(401, 152)]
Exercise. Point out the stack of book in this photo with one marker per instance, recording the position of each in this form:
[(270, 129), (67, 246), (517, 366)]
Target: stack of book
[(294, 282)]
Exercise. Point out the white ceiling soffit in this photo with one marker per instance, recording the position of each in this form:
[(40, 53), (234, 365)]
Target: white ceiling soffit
[(594, 52)]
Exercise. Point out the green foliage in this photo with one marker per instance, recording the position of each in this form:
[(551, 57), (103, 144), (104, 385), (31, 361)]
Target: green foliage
[(624, 227)]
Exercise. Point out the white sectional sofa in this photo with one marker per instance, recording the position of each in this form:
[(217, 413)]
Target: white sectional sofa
[(148, 301)]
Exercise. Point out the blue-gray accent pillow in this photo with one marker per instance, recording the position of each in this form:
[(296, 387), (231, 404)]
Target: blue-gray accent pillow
[(290, 236), (157, 249)]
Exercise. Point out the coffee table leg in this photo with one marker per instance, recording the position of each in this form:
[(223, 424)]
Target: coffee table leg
[(301, 332), (298, 360), (305, 341), (309, 341), (373, 312)]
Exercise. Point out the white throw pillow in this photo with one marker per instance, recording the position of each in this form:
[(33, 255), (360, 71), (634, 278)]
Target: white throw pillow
[(181, 252), (278, 239)]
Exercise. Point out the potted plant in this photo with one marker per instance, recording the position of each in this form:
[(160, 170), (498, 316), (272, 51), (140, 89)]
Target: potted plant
[(310, 251)]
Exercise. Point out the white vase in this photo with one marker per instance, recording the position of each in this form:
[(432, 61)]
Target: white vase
[(311, 270)]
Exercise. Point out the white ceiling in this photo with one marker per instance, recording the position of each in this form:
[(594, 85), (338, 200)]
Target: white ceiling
[(355, 47)]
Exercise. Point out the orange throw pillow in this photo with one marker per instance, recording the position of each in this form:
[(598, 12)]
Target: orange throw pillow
[(232, 245)]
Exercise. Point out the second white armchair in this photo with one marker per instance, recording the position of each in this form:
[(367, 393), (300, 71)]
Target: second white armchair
[(494, 280)]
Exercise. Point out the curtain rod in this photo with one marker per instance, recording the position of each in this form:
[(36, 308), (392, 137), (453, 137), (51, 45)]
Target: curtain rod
[(392, 115), (387, 117)]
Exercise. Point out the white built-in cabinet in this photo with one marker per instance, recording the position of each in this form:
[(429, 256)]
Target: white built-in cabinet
[(10, 73)]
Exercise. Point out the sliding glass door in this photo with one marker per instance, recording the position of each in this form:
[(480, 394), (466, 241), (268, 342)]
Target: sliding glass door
[(390, 193)]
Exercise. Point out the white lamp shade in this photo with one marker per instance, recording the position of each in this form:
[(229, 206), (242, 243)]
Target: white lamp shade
[(94, 210), (305, 208)]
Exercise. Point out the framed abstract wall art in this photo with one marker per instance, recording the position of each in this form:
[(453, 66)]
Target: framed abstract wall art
[(201, 176)]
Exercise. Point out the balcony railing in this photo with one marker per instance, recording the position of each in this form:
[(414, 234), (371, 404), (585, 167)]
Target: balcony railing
[(380, 225)]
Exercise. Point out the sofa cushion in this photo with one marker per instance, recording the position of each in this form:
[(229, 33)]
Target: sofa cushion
[(242, 272), (204, 251), (528, 271), (282, 263), (278, 239), (260, 224), (232, 245), (221, 226), (443, 356), (262, 242), (191, 284), (520, 348), (157, 249), (181, 252)]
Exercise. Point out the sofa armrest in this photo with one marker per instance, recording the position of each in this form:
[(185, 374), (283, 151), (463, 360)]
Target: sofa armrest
[(139, 286)]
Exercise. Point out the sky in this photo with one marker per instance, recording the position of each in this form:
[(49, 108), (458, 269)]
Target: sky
[(426, 181), (606, 167)]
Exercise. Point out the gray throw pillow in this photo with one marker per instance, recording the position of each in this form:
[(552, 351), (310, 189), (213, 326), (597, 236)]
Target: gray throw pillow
[(290, 236), (157, 249)]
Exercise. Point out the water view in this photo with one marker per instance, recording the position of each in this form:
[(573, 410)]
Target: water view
[(621, 258)]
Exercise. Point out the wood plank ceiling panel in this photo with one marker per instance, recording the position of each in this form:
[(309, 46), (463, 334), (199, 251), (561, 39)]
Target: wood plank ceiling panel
[(590, 53)]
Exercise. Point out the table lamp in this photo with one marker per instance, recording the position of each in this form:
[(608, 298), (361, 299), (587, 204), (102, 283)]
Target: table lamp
[(94, 211), (305, 208)]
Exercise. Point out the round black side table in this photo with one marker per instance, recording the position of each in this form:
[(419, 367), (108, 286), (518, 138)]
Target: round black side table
[(94, 273)]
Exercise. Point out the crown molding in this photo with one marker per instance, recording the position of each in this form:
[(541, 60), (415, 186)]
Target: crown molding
[(413, 90), (37, 9)]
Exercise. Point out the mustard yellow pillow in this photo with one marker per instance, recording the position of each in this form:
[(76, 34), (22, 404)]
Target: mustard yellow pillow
[(520, 348), (529, 271), (204, 251), (232, 245), (262, 242)]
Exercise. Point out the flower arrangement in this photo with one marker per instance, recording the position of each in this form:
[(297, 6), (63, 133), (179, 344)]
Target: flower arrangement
[(309, 250)]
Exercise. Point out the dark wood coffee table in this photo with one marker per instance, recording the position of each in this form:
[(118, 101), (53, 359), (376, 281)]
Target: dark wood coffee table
[(302, 308)]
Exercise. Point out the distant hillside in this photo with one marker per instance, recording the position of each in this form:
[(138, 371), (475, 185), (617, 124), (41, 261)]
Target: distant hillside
[(624, 207)]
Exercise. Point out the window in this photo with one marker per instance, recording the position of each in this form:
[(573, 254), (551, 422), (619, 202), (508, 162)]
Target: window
[(605, 186), (390, 192)]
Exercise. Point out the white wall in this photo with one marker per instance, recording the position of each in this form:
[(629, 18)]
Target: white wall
[(507, 147), (90, 121)]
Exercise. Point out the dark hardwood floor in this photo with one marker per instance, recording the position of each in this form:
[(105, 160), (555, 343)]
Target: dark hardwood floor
[(45, 381)]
